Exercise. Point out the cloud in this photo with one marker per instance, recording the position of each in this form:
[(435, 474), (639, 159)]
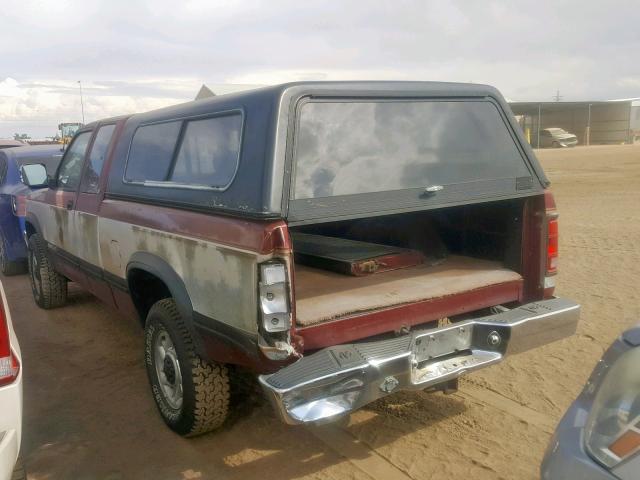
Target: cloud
[(134, 54), (632, 82), (37, 108)]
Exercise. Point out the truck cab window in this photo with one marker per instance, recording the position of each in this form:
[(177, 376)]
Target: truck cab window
[(96, 159), (71, 166)]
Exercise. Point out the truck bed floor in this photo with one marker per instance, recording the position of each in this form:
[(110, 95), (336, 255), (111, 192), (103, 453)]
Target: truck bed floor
[(323, 296)]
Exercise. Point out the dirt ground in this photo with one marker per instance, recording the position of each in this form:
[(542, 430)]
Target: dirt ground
[(89, 414)]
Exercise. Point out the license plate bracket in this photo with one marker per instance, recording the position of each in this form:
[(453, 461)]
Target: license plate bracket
[(437, 343)]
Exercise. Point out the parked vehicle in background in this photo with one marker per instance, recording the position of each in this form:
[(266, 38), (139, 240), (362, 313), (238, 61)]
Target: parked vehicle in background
[(557, 138), (10, 143), (599, 436), (10, 394), (13, 251), (313, 232)]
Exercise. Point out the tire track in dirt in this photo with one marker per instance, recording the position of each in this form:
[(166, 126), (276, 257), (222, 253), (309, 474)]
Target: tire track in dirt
[(358, 454)]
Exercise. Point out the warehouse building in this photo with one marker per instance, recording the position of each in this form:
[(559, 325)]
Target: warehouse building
[(594, 123)]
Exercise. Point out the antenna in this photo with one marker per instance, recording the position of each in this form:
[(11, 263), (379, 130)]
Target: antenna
[(81, 101)]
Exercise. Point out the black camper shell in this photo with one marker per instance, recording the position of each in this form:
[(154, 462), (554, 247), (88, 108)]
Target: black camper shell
[(266, 125)]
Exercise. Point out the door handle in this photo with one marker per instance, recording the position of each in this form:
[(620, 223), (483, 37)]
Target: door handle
[(431, 190)]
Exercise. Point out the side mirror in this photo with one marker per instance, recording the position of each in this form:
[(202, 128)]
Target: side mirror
[(34, 176)]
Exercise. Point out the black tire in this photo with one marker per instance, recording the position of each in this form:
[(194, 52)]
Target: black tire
[(204, 404), (7, 266), (48, 286)]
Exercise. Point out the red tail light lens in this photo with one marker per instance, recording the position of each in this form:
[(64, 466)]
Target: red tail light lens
[(551, 261), (19, 205), (9, 365), (552, 243)]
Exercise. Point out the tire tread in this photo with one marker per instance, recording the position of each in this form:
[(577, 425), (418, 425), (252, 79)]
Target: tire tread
[(210, 380), (13, 268), (9, 267), (54, 285)]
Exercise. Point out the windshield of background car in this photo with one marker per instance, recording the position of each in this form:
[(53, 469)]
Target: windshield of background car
[(352, 147)]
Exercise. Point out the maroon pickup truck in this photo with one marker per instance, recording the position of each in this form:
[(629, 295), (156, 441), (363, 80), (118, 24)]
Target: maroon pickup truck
[(343, 240)]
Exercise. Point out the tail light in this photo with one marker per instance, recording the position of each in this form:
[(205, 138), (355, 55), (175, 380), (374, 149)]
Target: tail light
[(552, 244), (9, 365), (551, 266), (19, 205), (274, 297)]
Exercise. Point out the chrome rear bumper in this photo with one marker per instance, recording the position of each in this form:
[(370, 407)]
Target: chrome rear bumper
[(337, 380)]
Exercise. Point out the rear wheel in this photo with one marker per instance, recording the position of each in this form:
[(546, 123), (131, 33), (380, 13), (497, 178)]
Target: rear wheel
[(191, 394), (48, 286), (555, 145), (7, 266)]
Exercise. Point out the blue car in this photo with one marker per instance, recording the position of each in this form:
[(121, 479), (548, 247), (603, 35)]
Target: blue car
[(599, 436), (13, 252)]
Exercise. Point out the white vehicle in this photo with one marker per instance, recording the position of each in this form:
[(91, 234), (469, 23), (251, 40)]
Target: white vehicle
[(10, 393), (557, 138)]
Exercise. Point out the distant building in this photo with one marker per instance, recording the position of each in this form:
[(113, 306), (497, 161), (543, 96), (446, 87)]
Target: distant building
[(593, 122), (43, 141), (10, 143), (204, 92)]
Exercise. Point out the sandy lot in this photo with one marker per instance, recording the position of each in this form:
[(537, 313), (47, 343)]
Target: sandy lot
[(89, 415)]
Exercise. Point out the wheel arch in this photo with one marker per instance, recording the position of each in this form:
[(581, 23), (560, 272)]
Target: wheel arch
[(165, 283), (31, 225), (159, 268)]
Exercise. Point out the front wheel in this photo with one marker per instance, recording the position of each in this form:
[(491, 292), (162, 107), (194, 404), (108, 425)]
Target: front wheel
[(191, 394), (48, 286)]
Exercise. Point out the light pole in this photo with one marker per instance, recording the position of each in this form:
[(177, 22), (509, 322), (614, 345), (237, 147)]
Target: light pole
[(81, 101), (539, 124), (588, 142)]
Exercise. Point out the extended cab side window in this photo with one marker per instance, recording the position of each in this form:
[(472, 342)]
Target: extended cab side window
[(207, 154), (96, 159), (71, 166)]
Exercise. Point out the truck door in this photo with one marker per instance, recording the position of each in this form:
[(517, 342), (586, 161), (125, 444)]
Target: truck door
[(86, 213), (58, 226)]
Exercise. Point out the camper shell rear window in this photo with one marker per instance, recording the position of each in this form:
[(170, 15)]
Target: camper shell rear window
[(366, 146)]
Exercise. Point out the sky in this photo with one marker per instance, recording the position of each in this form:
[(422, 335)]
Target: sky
[(137, 55)]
